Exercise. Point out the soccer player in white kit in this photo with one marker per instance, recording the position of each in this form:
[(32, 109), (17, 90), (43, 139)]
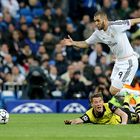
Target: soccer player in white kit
[(113, 34)]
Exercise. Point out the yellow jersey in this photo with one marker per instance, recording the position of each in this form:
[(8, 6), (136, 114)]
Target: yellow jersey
[(107, 117)]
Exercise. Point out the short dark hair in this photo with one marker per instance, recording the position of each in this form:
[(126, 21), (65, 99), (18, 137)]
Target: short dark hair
[(101, 13), (95, 95)]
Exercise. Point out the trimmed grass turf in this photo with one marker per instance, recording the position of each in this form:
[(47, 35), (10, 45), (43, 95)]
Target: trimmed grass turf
[(51, 127)]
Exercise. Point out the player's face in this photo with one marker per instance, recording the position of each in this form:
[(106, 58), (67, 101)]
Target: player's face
[(97, 104), (99, 22)]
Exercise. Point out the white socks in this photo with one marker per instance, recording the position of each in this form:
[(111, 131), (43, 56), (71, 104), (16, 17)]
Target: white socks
[(130, 91)]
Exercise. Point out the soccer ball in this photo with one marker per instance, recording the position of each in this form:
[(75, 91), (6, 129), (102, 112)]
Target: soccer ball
[(4, 116)]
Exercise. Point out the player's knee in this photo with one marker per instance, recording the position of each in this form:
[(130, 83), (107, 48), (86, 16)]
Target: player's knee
[(113, 90)]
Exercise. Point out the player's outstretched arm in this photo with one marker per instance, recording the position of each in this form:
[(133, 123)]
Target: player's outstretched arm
[(134, 21), (122, 114), (74, 121), (70, 42)]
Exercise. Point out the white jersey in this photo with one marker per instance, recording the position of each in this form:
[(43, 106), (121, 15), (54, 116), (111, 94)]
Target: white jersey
[(115, 37)]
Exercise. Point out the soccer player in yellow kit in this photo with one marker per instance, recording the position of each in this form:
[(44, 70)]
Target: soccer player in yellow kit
[(107, 113)]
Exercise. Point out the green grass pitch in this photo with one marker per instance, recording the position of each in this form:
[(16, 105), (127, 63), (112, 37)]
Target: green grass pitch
[(51, 127)]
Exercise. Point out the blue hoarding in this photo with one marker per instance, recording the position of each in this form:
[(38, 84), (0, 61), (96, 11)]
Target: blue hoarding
[(73, 106), (47, 106), (31, 106)]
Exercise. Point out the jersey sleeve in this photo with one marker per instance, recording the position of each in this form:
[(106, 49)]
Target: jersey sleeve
[(93, 39), (85, 118), (121, 25), (112, 107)]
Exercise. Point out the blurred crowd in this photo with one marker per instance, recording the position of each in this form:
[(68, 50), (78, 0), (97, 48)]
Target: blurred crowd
[(31, 52)]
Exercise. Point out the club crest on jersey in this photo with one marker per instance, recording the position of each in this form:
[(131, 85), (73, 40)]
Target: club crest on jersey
[(85, 118)]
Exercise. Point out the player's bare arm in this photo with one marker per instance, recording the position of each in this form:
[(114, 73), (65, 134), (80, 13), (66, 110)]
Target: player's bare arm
[(70, 42), (122, 114), (134, 21), (74, 121)]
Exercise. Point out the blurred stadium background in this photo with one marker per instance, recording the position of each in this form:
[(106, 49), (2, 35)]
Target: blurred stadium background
[(40, 75), (37, 73)]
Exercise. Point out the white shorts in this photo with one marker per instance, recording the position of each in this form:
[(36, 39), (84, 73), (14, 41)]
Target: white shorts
[(124, 72)]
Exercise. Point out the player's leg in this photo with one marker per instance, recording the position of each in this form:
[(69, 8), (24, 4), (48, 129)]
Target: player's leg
[(126, 101), (137, 108), (114, 89), (126, 107), (132, 115), (123, 73), (135, 92)]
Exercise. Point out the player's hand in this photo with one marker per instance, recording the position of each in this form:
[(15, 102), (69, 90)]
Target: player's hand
[(67, 41), (67, 122)]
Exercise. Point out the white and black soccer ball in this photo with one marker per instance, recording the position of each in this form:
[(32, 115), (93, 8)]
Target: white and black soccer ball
[(4, 116)]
